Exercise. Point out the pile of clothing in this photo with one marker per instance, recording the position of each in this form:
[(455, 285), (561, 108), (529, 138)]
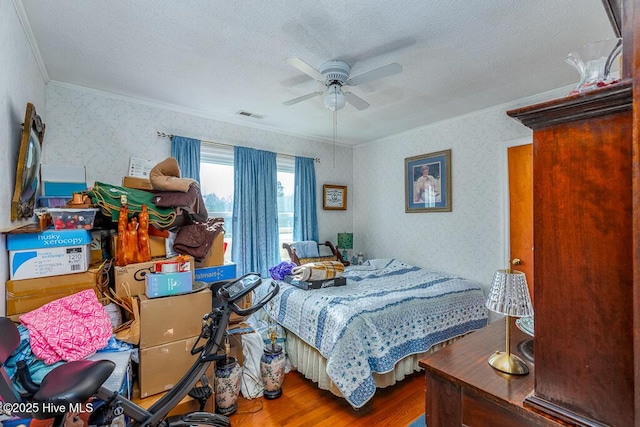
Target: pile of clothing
[(175, 206)]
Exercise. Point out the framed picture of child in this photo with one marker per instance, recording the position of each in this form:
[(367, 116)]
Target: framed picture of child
[(428, 182)]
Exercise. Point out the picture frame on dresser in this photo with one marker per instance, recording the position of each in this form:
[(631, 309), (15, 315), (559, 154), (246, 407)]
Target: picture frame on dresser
[(427, 185)]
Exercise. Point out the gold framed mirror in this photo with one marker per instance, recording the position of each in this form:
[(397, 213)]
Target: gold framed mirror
[(28, 165)]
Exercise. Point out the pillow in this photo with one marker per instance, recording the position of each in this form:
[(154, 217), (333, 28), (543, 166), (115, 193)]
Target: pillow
[(165, 176), (306, 249)]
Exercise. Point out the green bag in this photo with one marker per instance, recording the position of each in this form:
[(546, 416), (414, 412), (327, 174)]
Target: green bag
[(108, 197)]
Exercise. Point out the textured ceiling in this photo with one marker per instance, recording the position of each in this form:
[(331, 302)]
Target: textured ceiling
[(216, 58)]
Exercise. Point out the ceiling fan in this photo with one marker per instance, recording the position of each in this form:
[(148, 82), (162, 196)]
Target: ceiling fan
[(335, 76)]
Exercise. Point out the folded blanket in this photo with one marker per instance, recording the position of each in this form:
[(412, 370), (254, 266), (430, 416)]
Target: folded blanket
[(69, 328), (318, 270)]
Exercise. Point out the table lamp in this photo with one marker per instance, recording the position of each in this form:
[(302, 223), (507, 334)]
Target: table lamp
[(345, 241), (509, 295)]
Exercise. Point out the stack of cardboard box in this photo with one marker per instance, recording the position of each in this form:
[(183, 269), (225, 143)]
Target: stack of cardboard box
[(49, 265), (169, 325), (169, 328), (46, 266)]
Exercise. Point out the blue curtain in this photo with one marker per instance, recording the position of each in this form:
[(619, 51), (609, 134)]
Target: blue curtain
[(187, 152), (305, 217), (255, 211)]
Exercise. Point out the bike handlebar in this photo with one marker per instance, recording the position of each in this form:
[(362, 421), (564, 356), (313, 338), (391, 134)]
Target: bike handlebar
[(224, 295), (257, 306)]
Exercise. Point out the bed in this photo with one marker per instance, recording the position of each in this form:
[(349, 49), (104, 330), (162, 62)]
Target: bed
[(371, 332)]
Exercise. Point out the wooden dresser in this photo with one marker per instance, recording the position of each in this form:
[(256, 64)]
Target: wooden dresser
[(583, 163), (462, 389), (586, 174)]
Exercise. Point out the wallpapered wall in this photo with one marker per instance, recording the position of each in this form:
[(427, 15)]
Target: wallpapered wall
[(21, 82), (470, 240), (101, 131)]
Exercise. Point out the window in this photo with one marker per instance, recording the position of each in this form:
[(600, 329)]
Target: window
[(286, 168), (216, 180)]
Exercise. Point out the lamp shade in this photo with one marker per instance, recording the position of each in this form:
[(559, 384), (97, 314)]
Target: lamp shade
[(509, 294), (345, 240), (334, 99)]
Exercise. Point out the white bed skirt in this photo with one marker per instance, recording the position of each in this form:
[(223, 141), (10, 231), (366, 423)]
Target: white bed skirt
[(309, 362)]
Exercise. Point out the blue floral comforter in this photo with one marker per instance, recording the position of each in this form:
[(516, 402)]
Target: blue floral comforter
[(387, 311)]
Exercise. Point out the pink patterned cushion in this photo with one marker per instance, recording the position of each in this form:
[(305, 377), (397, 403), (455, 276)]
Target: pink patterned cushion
[(69, 328)]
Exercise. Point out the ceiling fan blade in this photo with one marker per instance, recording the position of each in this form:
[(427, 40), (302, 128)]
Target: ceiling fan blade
[(302, 98), (305, 68), (378, 73), (356, 101)]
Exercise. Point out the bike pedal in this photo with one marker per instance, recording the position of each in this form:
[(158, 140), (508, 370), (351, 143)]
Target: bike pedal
[(201, 393)]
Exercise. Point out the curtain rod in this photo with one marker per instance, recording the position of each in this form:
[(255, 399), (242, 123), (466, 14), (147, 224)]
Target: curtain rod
[(168, 135)]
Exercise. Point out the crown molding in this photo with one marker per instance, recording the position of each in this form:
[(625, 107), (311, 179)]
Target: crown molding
[(26, 26)]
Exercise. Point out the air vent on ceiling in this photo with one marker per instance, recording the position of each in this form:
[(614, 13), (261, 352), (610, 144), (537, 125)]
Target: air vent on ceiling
[(248, 114)]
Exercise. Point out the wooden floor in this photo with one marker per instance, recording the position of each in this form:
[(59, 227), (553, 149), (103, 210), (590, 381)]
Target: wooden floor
[(304, 404)]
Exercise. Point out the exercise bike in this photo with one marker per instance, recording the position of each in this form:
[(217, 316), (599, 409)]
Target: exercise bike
[(70, 385)]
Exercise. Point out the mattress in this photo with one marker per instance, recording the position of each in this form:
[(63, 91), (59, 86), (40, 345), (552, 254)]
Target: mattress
[(372, 331)]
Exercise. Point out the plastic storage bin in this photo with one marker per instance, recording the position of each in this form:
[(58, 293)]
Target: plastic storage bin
[(64, 218)]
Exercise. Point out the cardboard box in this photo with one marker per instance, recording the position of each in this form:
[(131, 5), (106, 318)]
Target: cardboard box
[(51, 284), (168, 319), (31, 263), (25, 304), (158, 246), (165, 284), (137, 183), (216, 273), (215, 256), (162, 366), (48, 239), (15, 318), (131, 277), (48, 253)]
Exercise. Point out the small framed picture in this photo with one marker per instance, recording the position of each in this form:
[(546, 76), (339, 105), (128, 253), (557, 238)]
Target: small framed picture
[(427, 182), (334, 197)]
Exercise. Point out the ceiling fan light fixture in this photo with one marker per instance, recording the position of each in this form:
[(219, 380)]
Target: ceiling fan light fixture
[(334, 99)]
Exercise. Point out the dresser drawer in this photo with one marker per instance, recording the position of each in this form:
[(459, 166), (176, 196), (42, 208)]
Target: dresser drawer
[(479, 412)]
